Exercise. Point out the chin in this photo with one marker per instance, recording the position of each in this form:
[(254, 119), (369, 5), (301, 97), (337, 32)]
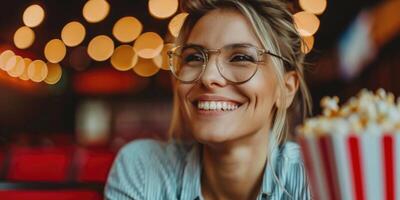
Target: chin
[(206, 135)]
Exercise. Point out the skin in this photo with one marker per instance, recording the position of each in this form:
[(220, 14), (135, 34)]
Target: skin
[(234, 150)]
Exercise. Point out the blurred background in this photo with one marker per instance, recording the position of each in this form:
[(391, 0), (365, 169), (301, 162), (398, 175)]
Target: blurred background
[(79, 79)]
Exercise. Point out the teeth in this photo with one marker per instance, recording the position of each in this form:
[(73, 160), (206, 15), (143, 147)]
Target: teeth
[(216, 105), (224, 105), (219, 105), (213, 105), (206, 105)]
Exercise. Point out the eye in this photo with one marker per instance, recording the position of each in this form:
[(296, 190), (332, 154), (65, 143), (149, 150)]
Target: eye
[(193, 58), (242, 58)]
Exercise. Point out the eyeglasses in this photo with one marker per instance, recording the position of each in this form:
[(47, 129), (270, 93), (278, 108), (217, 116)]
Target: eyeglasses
[(236, 63)]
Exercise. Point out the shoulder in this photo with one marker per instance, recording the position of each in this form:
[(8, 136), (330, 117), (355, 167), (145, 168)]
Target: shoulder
[(290, 152), (293, 174), (146, 169)]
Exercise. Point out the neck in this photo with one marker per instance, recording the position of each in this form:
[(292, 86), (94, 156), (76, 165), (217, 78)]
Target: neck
[(234, 170)]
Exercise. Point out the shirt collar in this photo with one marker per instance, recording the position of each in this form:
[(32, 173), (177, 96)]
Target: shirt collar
[(191, 188)]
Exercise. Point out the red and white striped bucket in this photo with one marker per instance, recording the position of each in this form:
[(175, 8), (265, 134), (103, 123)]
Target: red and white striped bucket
[(354, 166)]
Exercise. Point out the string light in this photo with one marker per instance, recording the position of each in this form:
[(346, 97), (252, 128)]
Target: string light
[(26, 62), (176, 23), (54, 73), (313, 6), (127, 29), (101, 48), (73, 34), (95, 10), (162, 60), (24, 37), (145, 68), (55, 51), (163, 8), (18, 69), (4, 57), (33, 16), (12, 62), (124, 58), (306, 23), (307, 44), (148, 45), (37, 71)]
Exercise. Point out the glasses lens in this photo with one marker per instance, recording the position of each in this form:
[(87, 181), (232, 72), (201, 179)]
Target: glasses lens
[(238, 63), (187, 63)]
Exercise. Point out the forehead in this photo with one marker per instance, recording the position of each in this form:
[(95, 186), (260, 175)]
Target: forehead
[(222, 27)]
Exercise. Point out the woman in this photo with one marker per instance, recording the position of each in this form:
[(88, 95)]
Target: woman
[(237, 70)]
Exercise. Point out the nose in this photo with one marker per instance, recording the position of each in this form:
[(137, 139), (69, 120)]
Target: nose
[(211, 77)]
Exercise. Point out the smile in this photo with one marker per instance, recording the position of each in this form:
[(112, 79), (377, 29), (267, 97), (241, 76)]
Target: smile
[(217, 105)]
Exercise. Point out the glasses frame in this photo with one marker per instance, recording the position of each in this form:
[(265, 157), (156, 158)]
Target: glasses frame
[(206, 52)]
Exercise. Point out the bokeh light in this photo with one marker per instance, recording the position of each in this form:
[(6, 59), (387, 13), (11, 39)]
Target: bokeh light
[(306, 23), (176, 23), (313, 6), (4, 57), (95, 10), (12, 62), (145, 68), (73, 34), (307, 44), (158, 60), (37, 70), (163, 8), (148, 45), (24, 37), (162, 60), (18, 68), (33, 16), (55, 51), (101, 48), (54, 73), (124, 58), (26, 62), (127, 29)]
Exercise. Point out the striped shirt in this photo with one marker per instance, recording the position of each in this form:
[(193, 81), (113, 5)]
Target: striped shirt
[(155, 170)]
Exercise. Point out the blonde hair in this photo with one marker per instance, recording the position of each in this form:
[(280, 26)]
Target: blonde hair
[(274, 26)]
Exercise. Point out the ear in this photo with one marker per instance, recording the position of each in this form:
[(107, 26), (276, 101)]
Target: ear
[(291, 85)]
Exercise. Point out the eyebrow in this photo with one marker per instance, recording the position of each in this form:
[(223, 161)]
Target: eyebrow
[(232, 45)]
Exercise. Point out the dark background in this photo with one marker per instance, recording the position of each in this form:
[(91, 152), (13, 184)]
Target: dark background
[(52, 109)]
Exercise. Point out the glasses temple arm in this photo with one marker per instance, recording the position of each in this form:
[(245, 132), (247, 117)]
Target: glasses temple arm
[(277, 56)]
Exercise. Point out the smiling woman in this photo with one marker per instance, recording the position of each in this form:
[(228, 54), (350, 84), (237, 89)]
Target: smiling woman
[(238, 89)]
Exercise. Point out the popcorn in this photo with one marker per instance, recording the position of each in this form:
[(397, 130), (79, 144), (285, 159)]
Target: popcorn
[(353, 151), (330, 105), (356, 115)]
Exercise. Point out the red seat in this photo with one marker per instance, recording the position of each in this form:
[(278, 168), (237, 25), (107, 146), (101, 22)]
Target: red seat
[(94, 164), (50, 195), (39, 164)]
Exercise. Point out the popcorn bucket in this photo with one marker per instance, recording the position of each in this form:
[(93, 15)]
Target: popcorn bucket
[(353, 166)]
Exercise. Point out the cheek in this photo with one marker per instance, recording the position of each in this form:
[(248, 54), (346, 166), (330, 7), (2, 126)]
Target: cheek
[(183, 90), (262, 92)]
